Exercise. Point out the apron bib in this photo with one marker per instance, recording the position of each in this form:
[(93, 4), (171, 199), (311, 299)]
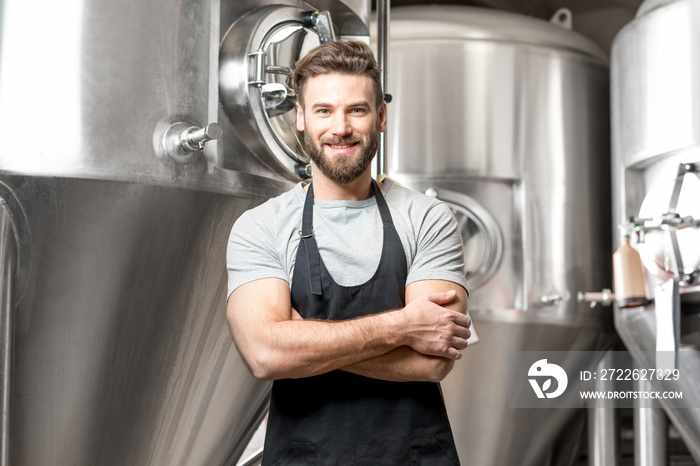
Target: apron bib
[(339, 418)]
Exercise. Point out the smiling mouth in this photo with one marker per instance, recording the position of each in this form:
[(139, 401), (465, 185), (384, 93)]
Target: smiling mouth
[(341, 146)]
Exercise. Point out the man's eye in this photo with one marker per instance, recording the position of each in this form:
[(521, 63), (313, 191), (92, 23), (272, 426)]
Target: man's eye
[(323, 111), (358, 110)]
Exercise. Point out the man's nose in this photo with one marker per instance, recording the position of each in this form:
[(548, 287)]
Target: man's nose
[(340, 126)]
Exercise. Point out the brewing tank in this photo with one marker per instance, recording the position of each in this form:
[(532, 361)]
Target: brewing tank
[(125, 173), (505, 118), (117, 195), (655, 90)]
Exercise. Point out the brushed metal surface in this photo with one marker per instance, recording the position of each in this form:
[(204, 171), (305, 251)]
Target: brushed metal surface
[(512, 112), (486, 431), (637, 328), (603, 424), (123, 355), (99, 108), (8, 268), (100, 81), (655, 98), (523, 130), (655, 81), (651, 439)]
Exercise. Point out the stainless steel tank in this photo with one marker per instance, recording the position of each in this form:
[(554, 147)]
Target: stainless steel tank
[(506, 119), (114, 217), (655, 89)]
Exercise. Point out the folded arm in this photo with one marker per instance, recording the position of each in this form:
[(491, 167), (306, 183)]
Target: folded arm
[(405, 364), (277, 346)]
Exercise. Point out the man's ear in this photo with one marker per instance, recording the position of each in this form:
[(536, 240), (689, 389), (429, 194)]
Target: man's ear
[(382, 117), (300, 118)]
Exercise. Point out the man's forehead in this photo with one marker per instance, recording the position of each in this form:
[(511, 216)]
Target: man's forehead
[(338, 77), (325, 86)]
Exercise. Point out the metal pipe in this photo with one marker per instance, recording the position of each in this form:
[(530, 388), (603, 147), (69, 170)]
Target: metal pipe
[(603, 424), (8, 258), (382, 51), (650, 431)]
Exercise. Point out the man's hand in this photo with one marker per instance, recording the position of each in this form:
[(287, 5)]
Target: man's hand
[(433, 329), (406, 364)]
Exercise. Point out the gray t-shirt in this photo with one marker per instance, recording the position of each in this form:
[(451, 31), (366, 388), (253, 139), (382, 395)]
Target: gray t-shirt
[(264, 240)]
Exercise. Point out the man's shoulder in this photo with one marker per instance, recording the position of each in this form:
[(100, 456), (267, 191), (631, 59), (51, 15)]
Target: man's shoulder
[(403, 198)]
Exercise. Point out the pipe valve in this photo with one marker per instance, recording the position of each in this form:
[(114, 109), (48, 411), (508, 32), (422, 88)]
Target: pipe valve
[(604, 298), (195, 138), (184, 142), (555, 298)]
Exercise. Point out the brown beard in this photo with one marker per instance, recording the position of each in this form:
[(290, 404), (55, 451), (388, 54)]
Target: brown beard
[(343, 170)]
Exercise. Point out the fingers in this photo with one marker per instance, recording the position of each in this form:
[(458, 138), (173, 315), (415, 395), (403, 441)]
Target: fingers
[(446, 341), (462, 333), (454, 353), (460, 344), (454, 337), (436, 329), (463, 320)]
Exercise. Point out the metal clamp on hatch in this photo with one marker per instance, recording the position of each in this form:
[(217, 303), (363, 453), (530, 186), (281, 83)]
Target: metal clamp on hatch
[(669, 255), (671, 222), (321, 21)]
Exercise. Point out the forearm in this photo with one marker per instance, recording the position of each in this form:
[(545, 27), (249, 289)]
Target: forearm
[(295, 348), (277, 345), (403, 364)]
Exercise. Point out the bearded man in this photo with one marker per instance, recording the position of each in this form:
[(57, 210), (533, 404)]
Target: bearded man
[(348, 293)]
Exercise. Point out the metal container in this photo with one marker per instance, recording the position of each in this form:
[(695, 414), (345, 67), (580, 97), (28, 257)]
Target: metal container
[(655, 90), (505, 118), (257, 57), (114, 216), (114, 234)]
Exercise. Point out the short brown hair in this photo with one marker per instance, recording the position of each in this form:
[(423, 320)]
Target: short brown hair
[(340, 57)]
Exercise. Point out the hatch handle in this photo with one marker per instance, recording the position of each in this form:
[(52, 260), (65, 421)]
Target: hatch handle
[(322, 22), (258, 67), (276, 69)]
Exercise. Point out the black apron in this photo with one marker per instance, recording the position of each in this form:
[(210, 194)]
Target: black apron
[(339, 418)]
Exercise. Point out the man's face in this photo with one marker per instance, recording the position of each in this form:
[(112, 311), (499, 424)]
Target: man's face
[(341, 124)]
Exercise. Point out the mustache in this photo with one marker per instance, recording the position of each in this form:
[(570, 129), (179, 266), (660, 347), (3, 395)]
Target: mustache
[(340, 140)]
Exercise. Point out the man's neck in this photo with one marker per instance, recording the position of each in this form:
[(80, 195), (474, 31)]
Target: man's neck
[(358, 190)]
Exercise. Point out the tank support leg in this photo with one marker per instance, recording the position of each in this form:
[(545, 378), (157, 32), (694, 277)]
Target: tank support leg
[(8, 262), (603, 425), (650, 431)]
